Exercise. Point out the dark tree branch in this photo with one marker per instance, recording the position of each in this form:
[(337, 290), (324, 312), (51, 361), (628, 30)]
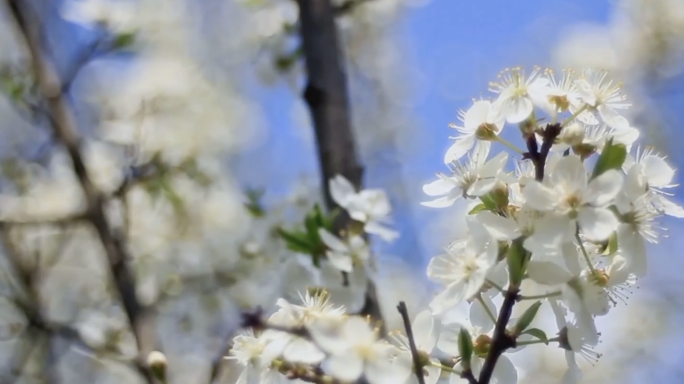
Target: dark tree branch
[(327, 97), (417, 364), (539, 155), (501, 340), (66, 134), (468, 375)]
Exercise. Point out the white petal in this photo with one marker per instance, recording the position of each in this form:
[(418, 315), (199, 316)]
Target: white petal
[(657, 171), (570, 255), (452, 295), (597, 223), (347, 366), (331, 241), (603, 189), (341, 261), (668, 207), (441, 202), (517, 109), (569, 171), (375, 228), (425, 331), (633, 249), (481, 187), (433, 373), (501, 228), (439, 187), (300, 350), (547, 273), (477, 115), (459, 148), (448, 340), (382, 371), (504, 372), (539, 196), (341, 190), (494, 166), (479, 316)]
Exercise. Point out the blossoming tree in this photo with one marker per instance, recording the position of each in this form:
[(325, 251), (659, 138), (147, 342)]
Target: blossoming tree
[(147, 204)]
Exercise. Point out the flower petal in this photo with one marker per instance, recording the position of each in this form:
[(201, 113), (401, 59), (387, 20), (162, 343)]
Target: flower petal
[(603, 189), (569, 171), (657, 171), (441, 202), (453, 294), (480, 317), (597, 223), (459, 148), (341, 190), (547, 273), (501, 228), (539, 196)]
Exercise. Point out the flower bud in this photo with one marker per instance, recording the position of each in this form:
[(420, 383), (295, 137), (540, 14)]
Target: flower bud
[(482, 345), (572, 135), (157, 363)]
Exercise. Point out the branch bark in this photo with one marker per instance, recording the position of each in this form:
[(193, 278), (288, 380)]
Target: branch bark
[(327, 97), (65, 131), (501, 340)]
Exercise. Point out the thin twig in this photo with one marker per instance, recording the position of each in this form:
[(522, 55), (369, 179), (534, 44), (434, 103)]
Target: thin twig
[(66, 133), (501, 340), (418, 365), (468, 375), (256, 321)]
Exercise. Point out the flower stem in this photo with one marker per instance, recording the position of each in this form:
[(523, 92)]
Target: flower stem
[(489, 311), (585, 254), (574, 115), (544, 296), (510, 145), (531, 342), (444, 367), (495, 285)]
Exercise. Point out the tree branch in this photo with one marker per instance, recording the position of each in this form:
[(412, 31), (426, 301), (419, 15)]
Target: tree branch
[(327, 96), (417, 364), (66, 133), (501, 341)]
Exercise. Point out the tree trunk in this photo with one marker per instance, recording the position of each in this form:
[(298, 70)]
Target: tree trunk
[(327, 96)]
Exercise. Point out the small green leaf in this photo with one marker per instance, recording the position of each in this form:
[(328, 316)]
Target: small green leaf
[(527, 317), (612, 157), (612, 245), (123, 40), (489, 202), (296, 240), (478, 208), (538, 333), (465, 347), (517, 258), (311, 225)]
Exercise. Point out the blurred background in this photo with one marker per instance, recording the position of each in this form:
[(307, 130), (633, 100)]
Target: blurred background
[(411, 66)]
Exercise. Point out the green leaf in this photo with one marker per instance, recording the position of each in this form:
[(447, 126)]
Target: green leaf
[(526, 319), (489, 202), (612, 245), (329, 220), (311, 225), (612, 157), (465, 347), (538, 333), (517, 261), (296, 241), (123, 40), (478, 208)]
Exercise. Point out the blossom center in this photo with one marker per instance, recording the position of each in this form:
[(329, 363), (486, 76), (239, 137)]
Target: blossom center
[(481, 345)]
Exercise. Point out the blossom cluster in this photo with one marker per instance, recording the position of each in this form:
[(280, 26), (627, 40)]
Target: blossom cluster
[(571, 220)]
